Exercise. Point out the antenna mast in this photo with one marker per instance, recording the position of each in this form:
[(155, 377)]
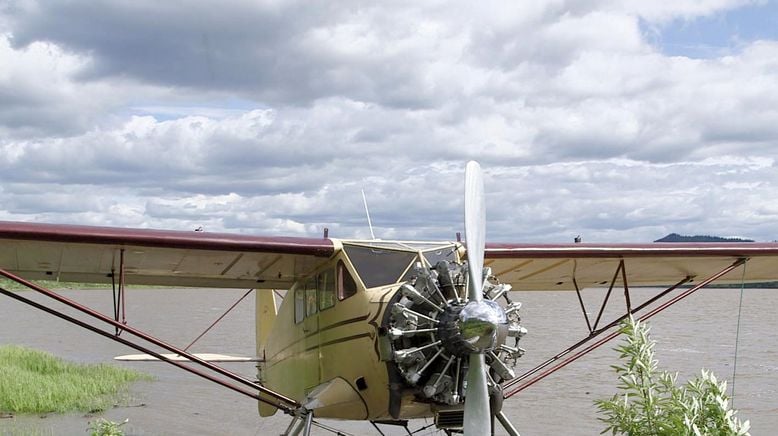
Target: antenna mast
[(367, 212)]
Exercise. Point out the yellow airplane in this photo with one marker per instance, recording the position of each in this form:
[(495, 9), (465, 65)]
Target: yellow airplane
[(384, 331)]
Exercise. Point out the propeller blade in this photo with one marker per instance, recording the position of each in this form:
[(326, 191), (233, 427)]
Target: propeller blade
[(475, 229), (478, 419)]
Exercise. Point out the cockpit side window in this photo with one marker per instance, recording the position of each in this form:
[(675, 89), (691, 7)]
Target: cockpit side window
[(311, 305), (346, 284), (318, 292), (299, 304), (326, 289)]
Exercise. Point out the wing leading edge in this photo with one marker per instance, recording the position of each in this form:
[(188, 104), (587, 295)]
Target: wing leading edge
[(158, 257), (542, 267)]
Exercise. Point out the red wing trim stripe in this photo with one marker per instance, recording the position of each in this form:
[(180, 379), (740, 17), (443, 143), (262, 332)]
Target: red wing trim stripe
[(164, 238), (517, 251)]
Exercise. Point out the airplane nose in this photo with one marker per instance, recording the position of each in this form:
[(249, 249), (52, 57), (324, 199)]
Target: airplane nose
[(482, 325)]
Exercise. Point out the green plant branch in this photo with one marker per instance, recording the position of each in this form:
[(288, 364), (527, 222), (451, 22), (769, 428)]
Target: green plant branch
[(652, 404)]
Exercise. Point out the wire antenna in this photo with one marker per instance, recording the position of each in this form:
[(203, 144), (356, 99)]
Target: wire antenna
[(367, 212)]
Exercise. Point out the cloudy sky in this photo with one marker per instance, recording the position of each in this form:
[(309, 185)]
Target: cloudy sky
[(616, 120)]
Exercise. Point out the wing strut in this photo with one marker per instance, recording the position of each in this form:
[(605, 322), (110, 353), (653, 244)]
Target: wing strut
[(560, 360), (608, 294), (118, 297), (583, 308), (257, 391), (217, 320)]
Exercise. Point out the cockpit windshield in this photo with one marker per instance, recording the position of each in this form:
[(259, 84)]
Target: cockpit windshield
[(381, 263)]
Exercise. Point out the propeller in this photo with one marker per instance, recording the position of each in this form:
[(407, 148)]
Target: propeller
[(480, 319), (475, 228), (477, 401)]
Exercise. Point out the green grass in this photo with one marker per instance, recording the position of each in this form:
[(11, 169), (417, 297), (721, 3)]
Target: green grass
[(37, 382), (56, 285), (51, 284)]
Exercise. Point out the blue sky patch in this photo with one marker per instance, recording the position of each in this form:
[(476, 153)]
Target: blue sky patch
[(717, 34)]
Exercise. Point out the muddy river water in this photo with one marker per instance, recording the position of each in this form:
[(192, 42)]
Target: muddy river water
[(698, 332)]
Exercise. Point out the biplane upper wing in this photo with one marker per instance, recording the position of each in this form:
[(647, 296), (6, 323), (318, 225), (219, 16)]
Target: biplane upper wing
[(157, 257), (565, 266)]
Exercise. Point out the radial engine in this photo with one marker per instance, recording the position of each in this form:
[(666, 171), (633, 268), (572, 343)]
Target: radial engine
[(432, 330)]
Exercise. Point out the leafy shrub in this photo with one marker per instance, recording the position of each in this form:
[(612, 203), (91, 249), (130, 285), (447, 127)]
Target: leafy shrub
[(652, 404)]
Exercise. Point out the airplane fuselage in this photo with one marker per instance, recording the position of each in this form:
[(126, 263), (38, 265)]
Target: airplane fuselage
[(328, 346)]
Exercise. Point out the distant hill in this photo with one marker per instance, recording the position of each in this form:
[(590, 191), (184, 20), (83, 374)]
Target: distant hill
[(675, 237)]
